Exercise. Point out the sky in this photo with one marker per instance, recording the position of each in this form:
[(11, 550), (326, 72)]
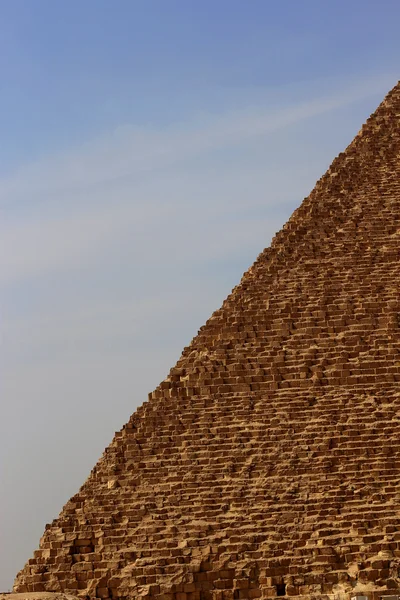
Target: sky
[(150, 149)]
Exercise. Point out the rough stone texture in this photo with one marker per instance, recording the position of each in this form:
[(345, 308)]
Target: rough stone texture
[(268, 462)]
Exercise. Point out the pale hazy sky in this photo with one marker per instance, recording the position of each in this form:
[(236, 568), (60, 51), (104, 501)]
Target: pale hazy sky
[(149, 151)]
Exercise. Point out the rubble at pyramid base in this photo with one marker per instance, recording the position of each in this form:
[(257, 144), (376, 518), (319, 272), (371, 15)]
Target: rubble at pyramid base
[(267, 464), (36, 596), (375, 595)]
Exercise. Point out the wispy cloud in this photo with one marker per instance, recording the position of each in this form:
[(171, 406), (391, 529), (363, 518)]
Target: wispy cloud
[(130, 150), (63, 211)]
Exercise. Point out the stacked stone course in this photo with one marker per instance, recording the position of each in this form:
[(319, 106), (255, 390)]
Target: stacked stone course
[(268, 461)]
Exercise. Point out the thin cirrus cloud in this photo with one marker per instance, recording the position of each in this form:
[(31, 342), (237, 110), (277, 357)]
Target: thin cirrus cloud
[(89, 197), (129, 149)]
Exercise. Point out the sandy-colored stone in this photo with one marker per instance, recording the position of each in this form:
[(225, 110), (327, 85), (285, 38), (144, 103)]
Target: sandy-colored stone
[(37, 596), (268, 461)]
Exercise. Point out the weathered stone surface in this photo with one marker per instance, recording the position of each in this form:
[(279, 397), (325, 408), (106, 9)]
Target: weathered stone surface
[(268, 462)]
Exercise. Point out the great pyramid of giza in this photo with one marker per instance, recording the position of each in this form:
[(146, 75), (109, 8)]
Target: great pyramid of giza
[(268, 461)]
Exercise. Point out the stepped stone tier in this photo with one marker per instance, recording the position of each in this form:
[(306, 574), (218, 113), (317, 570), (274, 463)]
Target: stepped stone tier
[(268, 461)]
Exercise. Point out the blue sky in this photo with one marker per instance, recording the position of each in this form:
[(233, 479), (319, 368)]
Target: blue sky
[(150, 150), (72, 69)]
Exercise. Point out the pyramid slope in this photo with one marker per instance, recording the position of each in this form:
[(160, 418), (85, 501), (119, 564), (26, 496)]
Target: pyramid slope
[(268, 462)]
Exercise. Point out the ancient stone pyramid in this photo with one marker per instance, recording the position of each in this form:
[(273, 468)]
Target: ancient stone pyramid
[(268, 462)]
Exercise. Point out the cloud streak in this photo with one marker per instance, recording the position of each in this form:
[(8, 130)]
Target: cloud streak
[(130, 150), (91, 196)]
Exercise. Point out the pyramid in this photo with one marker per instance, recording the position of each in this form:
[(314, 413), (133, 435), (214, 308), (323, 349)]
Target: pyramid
[(267, 463)]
